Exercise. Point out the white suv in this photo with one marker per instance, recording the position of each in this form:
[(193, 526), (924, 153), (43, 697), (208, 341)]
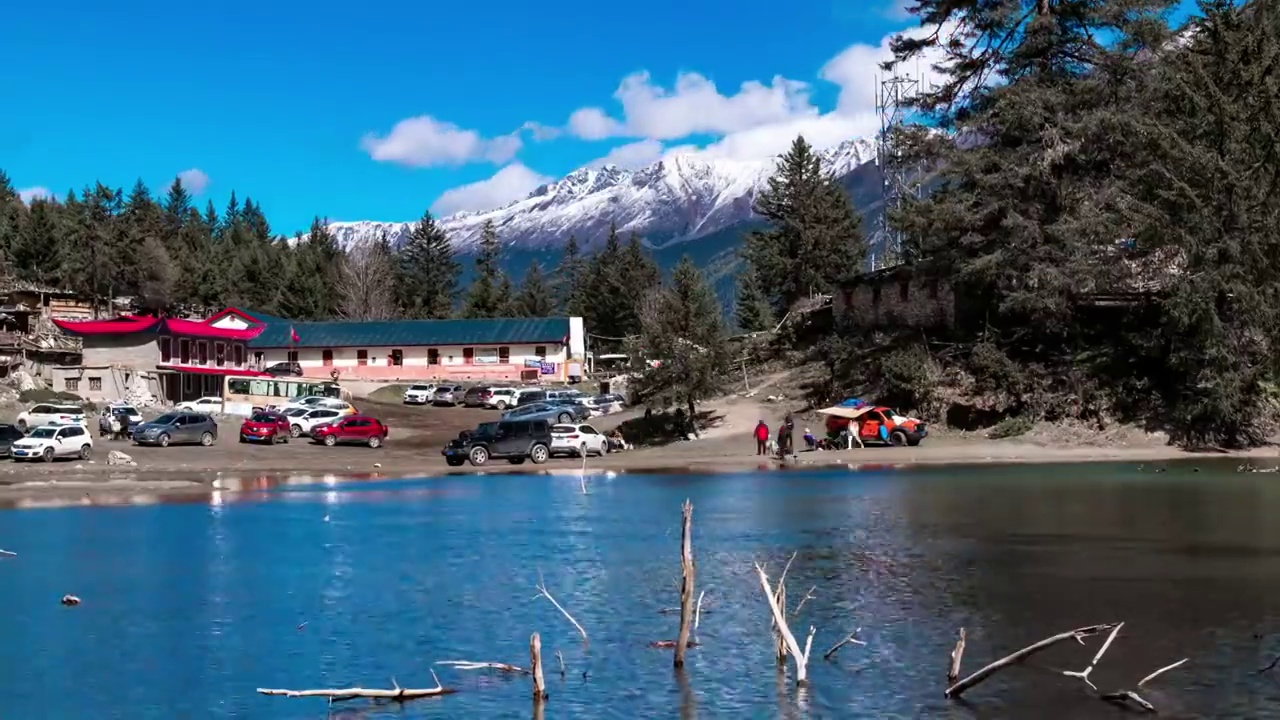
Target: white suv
[(503, 398), (418, 394), (44, 414), (300, 425), (209, 405), (50, 441)]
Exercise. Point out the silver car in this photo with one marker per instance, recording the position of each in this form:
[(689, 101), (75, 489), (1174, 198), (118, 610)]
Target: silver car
[(177, 428), (561, 414), (449, 395)]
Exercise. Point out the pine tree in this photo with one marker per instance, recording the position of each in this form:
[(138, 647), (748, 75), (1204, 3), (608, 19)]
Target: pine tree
[(681, 329), (752, 309), (37, 255), (640, 275), (814, 237), (535, 298), (12, 220), (427, 271), (490, 293), (611, 311), (569, 289)]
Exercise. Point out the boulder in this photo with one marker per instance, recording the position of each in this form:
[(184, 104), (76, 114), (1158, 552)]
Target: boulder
[(118, 458)]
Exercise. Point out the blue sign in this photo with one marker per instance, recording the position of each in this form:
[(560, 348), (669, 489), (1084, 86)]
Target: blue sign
[(532, 363), (548, 368)]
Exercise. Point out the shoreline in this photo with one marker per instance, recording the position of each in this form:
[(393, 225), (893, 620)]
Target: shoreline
[(160, 479)]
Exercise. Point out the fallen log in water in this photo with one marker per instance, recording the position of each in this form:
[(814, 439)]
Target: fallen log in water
[(339, 694), (470, 665), (542, 592), (1078, 634)]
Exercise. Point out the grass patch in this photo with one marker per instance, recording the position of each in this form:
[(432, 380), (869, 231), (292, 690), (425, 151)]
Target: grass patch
[(1011, 427)]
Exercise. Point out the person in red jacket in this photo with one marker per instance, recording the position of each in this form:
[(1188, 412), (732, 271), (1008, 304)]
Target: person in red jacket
[(762, 438)]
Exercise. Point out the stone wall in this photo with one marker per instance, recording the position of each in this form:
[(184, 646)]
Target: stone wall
[(896, 300)]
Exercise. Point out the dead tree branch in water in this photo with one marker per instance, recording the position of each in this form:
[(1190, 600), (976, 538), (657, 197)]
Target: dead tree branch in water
[(780, 622), (1078, 635), (1084, 674), (780, 598), (397, 693), (535, 665), (469, 665), (807, 597), (542, 591), (6, 553), (687, 571), (1125, 698), (852, 639), (957, 655)]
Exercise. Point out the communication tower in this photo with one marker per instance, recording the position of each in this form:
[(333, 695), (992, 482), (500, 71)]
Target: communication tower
[(893, 95)]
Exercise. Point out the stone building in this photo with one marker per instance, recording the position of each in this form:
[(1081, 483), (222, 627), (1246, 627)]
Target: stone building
[(896, 297)]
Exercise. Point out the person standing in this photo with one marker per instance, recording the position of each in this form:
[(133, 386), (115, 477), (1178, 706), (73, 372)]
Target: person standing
[(762, 438)]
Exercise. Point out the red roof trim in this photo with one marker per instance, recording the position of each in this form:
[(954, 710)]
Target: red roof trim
[(232, 311), (123, 325), (214, 371), (204, 330)]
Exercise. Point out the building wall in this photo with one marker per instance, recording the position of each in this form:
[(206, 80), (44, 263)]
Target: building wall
[(895, 302), (452, 362)]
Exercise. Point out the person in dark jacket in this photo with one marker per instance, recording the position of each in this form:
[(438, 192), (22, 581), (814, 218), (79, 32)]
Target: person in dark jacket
[(762, 438)]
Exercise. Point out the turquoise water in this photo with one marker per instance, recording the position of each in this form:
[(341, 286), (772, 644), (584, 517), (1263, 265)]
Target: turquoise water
[(188, 607)]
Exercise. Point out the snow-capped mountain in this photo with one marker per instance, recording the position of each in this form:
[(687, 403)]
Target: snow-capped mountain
[(675, 200)]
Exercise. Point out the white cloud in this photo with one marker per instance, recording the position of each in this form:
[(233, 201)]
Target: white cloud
[(693, 106), (632, 155), (194, 180), (34, 193), (424, 141), (509, 184)]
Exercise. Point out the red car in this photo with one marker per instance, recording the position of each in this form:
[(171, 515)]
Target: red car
[(352, 428), (270, 427)]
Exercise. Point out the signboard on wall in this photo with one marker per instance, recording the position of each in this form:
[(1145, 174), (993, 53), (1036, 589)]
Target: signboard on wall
[(548, 368), (532, 363)]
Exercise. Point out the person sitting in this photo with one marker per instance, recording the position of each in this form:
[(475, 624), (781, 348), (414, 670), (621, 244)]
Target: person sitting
[(810, 442)]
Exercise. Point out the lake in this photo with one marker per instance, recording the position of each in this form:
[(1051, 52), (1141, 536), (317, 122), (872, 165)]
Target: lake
[(189, 607)]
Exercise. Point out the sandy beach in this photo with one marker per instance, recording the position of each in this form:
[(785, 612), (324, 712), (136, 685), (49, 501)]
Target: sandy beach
[(418, 434)]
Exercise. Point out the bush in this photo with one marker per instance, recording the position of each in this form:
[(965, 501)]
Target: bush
[(1011, 427)]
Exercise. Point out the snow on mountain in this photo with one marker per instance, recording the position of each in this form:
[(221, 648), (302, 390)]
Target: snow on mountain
[(675, 200)]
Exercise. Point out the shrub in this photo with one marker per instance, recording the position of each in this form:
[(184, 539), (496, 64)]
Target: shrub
[(1011, 427)]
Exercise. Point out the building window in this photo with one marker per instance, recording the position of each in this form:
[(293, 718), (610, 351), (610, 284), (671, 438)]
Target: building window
[(504, 355), (326, 357), (875, 296), (541, 352), (487, 355), (237, 353), (904, 290), (166, 349), (219, 354), (433, 356), (468, 356), (72, 384), (184, 351), (95, 383), (293, 356), (362, 357), (202, 352), (397, 357)]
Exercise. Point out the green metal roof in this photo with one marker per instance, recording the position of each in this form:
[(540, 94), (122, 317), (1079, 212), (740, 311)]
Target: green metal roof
[(410, 333)]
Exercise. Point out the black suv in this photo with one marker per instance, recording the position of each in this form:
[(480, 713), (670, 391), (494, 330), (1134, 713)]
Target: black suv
[(512, 440)]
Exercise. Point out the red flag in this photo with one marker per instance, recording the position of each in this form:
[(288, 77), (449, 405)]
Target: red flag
[(293, 335)]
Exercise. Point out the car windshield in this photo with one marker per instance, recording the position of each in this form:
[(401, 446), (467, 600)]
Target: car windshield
[(563, 429), (43, 432), (263, 418), (297, 412), (68, 410), (169, 419), (419, 387)]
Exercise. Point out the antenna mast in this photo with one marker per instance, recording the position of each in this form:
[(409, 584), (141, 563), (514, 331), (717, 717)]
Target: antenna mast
[(892, 96)]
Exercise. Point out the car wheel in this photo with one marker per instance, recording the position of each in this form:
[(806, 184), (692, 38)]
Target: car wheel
[(206, 439), (163, 440), (47, 455), (85, 451), (330, 440), (479, 456), (375, 442), (564, 418), (897, 438), (539, 454), (295, 430)]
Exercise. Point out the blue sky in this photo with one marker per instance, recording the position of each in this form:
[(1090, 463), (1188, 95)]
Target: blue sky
[(379, 111)]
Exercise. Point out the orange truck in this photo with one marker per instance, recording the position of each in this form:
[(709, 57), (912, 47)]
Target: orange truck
[(876, 423)]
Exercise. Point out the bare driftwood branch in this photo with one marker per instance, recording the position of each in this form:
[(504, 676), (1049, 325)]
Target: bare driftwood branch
[(6, 553), (807, 597), (852, 639), (1084, 674), (542, 590), (956, 656), (697, 611), (339, 694), (1078, 634), (1274, 661), (1160, 672), (560, 659), (535, 665), (687, 571), (1128, 698), (780, 621), (780, 596), (470, 665)]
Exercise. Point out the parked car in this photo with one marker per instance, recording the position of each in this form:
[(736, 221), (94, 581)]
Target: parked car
[(512, 440), (284, 369), (307, 401), (48, 442), (529, 396), (449, 395), (419, 394), (8, 435), (118, 422), (875, 423), (503, 398), (342, 406), (550, 412), (306, 421), (129, 411), (577, 440), (211, 405), (182, 427), (603, 404), (352, 429), (579, 411), (45, 413), (272, 427), (477, 396)]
